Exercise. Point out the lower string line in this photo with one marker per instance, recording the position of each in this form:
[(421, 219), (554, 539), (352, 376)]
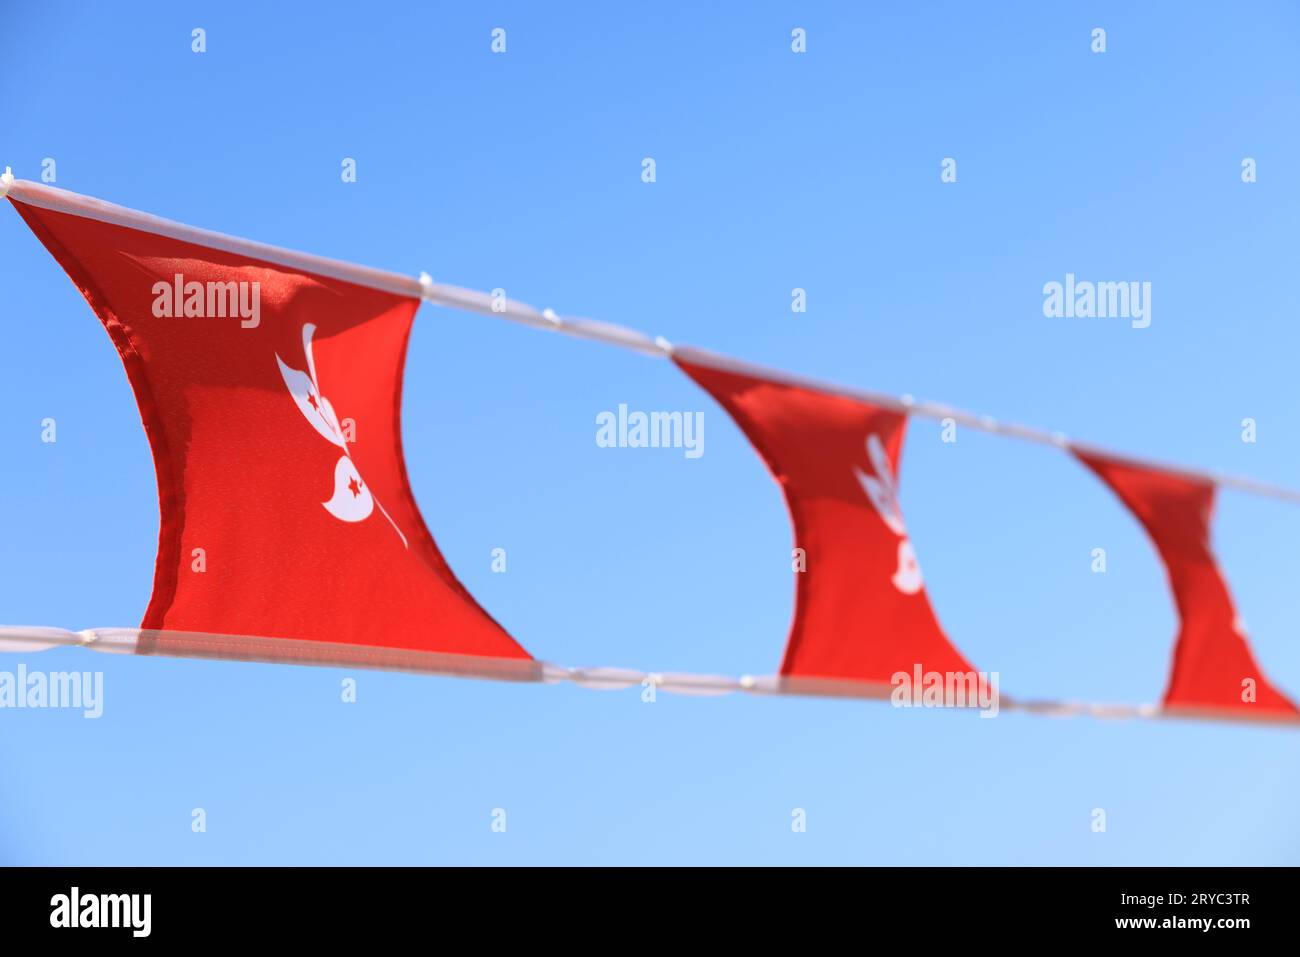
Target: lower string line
[(196, 645)]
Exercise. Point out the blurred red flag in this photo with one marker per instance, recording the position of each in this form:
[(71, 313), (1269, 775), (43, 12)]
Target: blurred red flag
[(1213, 668), (271, 398), (861, 611)]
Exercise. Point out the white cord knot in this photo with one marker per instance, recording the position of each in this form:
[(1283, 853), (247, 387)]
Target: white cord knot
[(426, 286), (6, 182)]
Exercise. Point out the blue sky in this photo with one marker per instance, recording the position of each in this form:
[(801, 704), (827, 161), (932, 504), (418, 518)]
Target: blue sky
[(774, 170)]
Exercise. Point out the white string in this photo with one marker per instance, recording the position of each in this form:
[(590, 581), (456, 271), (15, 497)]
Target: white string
[(469, 300), (18, 638), (26, 638)]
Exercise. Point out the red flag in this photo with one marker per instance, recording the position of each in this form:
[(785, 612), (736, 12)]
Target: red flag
[(1213, 668), (271, 398), (861, 611)]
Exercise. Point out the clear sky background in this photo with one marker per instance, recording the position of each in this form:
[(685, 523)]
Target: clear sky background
[(775, 170)]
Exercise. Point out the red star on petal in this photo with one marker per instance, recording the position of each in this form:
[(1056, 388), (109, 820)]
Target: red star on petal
[(354, 487), (311, 401)]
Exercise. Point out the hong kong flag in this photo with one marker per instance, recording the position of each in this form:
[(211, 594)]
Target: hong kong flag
[(1214, 670), (271, 398), (861, 611)]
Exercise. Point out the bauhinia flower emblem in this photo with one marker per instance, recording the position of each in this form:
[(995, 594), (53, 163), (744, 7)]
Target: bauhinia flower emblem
[(352, 500), (883, 494)]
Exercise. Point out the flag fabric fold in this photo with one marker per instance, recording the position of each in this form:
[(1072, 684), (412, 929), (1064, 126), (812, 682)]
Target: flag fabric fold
[(861, 614), (271, 398), (1214, 669)]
